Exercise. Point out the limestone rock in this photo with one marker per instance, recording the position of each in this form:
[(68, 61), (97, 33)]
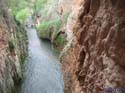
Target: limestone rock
[(12, 51), (96, 58)]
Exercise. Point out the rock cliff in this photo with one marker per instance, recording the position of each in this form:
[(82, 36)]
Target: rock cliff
[(12, 51), (93, 60)]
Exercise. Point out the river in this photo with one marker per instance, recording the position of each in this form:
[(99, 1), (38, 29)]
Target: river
[(42, 67)]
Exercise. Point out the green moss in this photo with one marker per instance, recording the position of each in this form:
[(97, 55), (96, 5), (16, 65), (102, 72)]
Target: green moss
[(22, 15), (65, 17), (39, 4), (11, 46), (47, 27), (60, 40)]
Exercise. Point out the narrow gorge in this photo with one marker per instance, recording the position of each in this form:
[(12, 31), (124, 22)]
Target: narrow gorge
[(62, 46)]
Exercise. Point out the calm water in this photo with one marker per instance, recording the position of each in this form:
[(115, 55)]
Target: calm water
[(42, 68)]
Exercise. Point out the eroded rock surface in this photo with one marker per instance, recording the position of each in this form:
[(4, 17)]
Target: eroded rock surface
[(12, 51), (95, 59)]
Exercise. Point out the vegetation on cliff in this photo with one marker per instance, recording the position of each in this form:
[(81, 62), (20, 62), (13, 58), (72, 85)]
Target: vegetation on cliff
[(92, 60), (52, 23), (13, 51), (49, 21)]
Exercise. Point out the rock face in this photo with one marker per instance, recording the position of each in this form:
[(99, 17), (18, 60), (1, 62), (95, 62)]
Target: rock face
[(95, 59), (12, 51)]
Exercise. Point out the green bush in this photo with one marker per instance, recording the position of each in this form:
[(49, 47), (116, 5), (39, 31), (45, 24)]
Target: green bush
[(46, 26), (21, 15), (17, 5), (39, 4)]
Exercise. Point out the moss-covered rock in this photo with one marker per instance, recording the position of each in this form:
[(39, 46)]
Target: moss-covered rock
[(60, 40)]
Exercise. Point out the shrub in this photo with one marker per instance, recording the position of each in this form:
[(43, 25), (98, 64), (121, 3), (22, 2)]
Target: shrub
[(46, 27), (21, 15)]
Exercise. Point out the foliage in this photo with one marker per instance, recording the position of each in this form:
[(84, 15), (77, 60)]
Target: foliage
[(51, 20), (46, 27), (52, 23), (60, 40), (17, 5), (19, 9), (21, 15), (39, 4)]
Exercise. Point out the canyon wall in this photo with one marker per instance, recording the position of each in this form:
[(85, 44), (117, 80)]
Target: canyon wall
[(12, 51), (93, 59)]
